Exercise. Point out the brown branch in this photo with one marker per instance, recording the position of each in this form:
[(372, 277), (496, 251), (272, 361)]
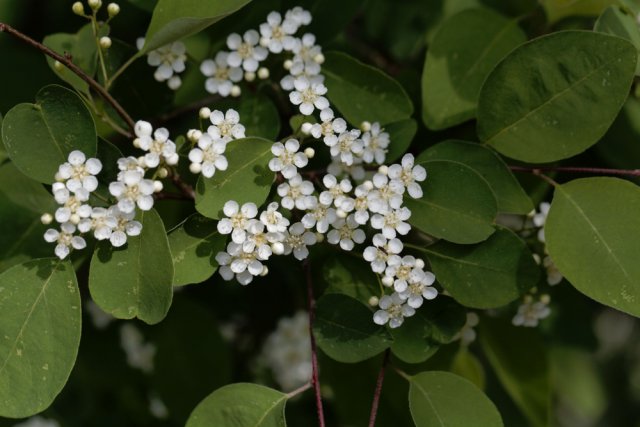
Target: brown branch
[(185, 188), (66, 60), (378, 390), (571, 169), (163, 195), (315, 380)]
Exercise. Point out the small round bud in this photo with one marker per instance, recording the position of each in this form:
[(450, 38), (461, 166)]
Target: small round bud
[(528, 299), (306, 128), (235, 91), (384, 169), (368, 185), (373, 301), (46, 218), (95, 4), (163, 173), (340, 213), (264, 42), (545, 299), (287, 64), (157, 186), (74, 219), (58, 66), (194, 135), (265, 271), (58, 177), (113, 9), (319, 237), (277, 248), (78, 8), (141, 162), (173, 159), (365, 126), (105, 42), (319, 58), (249, 76), (136, 142), (309, 152), (263, 73), (387, 281), (204, 113), (537, 259), (195, 167), (419, 263)]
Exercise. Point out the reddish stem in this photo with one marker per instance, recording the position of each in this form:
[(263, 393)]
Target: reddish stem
[(315, 380), (378, 391), (571, 169)]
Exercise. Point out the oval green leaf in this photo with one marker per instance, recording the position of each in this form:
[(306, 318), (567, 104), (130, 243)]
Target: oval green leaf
[(401, 135), (436, 399), (458, 204), (364, 93), (554, 97), (345, 331), (39, 137), (463, 52), (135, 280), (41, 322), (593, 237), (620, 22), (194, 245), (248, 170), (241, 405), (175, 19), (487, 275)]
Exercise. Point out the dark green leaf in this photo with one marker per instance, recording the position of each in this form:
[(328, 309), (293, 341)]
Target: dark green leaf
[(558, 10), (468, 366), (401, 134), (351, 277), (620, 22)]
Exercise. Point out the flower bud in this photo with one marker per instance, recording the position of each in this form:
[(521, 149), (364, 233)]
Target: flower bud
[(263, 73), (78, 8), (46, 218), (319, 58), (136, 142), (387, 281), (75, 219), (95, 4), (141, 162), (277, 248), (58, 66), (287, 64), (113, 9), (249, 76), (194, 135), (157, 186), (235, 91), (204, 113), (340, 213), (384, 169), (105, 42), (373, 301), (306, 128), (264, 42), (265, 271), (368, 185), (309, 152), (163, 172), (365, 126), (195, 167), (319, 237), (545, 299), (419, 263)]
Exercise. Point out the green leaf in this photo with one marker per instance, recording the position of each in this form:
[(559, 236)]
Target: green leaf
[(593, 237), (40, 136), (458, 204), (41, 322), (241, 405), (468, 366), (487, 275), (248, 171), (22, 202), (554, 97), (620, 22), (400, 134), (509, 193), (176, 19), (364, 93), (135, 280), (194, 245), (560, 9), (345, 330), (463, 52), (352, 277), (519, 358), (436, 399)]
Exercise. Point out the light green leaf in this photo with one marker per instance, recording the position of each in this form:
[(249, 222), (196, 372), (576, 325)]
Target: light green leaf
[(175, 19), (509, 194), (560, 9), (194, 245), (458, 204), (41, 322), (364, 93), (247, 179), (436, 399), (401, 135), (519, 358), (345, 330), (463, 52), (487, 275), (241, 405), (620, 22), (40, 136), (593, 237), (554, 97), (135, 280), (468, 366)]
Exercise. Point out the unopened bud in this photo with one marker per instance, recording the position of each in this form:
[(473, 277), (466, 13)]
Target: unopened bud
[(384, 169), (113, 9), (136, 142), (419, 263), (249, 76), (373, 301), (235, 91), (265, 271), (264, 42), (319, 58), (277, 248), (368, 185), (340, 213), (46, 218), (141, 162), (309, 152), (306, 128), (319, 237), (58, 66), (163, 173), (545, 299), (157, 186), (387, 281), (263, 73), (74, 219), (78, 8), (204, 113), (105, 42), (194, 135), (287, 64), (365, 126), (95, 4), (195, 167)]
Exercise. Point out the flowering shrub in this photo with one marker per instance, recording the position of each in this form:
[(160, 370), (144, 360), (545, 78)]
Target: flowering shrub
[(237, 143)]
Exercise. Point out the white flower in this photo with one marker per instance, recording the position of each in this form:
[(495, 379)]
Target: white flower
[(402, 271), (346, 233), (100, 222), (382, 251), (306, 53), (276, 34), (294, 193), (169, 59), (288, 81), (540, 218), (258, 241), (531, 312), (208, 156), (383, 197), (297, 241), (38, 421), (308, 95), (346, 145), (288, 159), (419, 288), (245, 51), (139, 353), (375, 144), (336, 191), (361, 202), (79, 172), (221, 76), (158, 146), (239, 264), (340, 169), (407, 176), (132, 190), (125, 226), (391, 221), (73, 207), (553, 274), (129, 164), (393, 310), (273, 220), (318, 215), (64, 239), (467, 334), (226, 125), (298, 15), (329, 127), (237, 219)]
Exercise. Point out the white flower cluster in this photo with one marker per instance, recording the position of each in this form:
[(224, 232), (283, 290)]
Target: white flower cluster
[(38, 421), (531, 311), (468, 334), (539, 219), (169, 60), (76, 180), (140, 354), (287, 352)]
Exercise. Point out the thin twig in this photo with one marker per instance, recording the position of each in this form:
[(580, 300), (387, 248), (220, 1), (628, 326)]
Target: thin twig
[(315, 380), (299, 390), (66, 60), (163, 195), (572, 169), (378, 391), (185, 188)]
